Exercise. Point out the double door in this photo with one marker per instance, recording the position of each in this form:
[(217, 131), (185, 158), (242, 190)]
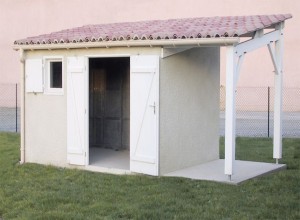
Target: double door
[(108, 120)]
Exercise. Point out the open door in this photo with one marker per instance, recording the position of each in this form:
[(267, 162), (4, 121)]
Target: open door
[(76, 110), (144, 109)]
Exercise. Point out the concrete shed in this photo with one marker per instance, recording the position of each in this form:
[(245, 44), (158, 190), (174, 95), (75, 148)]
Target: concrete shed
[(141, 96)]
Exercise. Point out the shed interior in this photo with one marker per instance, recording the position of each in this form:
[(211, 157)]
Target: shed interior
[(109, 112)]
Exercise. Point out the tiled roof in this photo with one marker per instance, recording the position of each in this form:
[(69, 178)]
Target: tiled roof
[(205, 27)]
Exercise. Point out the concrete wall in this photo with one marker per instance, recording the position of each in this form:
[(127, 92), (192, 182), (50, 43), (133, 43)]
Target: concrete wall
[(46, 115), (189, 108), (46, 129), (189, 100)]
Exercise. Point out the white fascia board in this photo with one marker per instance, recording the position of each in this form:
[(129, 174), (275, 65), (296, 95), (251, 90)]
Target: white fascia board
[(258, 42), (221, 41)]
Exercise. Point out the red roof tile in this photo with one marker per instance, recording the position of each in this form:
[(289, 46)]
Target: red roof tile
[(205, 27)]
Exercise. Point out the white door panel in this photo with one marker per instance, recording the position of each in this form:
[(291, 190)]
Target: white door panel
[(34, 75), (144, 114), (76, 111)]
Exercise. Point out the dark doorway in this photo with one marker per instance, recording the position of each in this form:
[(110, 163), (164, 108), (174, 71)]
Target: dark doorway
[(109, 104)]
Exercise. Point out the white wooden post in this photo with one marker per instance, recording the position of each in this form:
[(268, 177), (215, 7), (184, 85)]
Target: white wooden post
[(277, 138), (230, 111)]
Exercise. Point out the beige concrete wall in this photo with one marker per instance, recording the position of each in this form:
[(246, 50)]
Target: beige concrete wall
[(46, 129), (46, 115), (189, 108), (46, 122)]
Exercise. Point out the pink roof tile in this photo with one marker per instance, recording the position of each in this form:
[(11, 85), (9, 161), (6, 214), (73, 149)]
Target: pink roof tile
[(205, 27)]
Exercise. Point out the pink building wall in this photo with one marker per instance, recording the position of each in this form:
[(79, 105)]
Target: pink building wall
[(19, 19)]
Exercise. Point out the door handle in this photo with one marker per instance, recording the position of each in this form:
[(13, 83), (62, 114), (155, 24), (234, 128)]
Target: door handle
[(153, 106)]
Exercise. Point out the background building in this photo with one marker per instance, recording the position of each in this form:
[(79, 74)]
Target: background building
[(19, 19)]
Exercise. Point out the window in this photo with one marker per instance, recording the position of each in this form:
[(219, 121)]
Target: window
[(54, 76)]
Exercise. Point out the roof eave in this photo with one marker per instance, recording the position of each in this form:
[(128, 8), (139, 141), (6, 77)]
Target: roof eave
[(221, 41)]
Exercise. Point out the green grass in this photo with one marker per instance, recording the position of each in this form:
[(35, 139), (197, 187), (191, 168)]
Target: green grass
[(34, 191)]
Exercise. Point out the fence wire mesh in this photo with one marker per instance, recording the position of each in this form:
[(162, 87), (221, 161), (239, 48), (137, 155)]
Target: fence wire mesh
[(9, 108), (254, 105), (255, 111)]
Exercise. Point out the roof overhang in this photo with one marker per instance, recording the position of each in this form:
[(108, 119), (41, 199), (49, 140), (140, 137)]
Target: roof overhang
[(222, 41)]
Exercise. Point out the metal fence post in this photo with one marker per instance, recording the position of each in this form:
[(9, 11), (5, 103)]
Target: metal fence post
[(16, 107)]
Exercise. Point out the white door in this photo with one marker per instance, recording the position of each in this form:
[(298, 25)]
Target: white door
[(144, 109), (76, 110)]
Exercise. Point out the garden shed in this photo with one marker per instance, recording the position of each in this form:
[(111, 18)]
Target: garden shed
[(140, 96)]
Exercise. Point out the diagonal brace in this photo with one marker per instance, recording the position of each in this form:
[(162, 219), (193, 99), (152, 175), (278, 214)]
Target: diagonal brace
[(272, 53), (238, 68)]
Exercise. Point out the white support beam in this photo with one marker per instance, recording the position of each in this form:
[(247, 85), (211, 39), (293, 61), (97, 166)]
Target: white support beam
[(277, 137), (230, 115), (166, 52), (238, 67), (273, 57), (257, 42), (259, 33)]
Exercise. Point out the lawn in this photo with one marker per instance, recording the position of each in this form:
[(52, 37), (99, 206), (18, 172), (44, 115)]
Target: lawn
[(34, 191)]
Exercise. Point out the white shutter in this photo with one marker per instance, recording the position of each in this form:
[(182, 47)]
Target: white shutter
[(34, 75), (144, 73), (76, 146)]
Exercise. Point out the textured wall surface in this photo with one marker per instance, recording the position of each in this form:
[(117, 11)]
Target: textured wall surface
[(46, 115), (46, 129), (189, 108)]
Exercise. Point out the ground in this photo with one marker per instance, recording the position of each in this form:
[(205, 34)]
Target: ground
[(34, 191)]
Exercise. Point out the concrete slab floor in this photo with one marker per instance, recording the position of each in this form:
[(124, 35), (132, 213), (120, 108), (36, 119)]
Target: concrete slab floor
[(214, 171), (108, 158), (117, 162)]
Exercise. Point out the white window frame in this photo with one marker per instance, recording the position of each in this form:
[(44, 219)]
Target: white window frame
[(47, 89)]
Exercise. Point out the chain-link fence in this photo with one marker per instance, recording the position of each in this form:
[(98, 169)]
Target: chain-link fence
[(254, 106), (9, 108), (255, 111)]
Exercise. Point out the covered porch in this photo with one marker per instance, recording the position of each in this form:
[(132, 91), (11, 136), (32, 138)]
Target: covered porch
[(230, 170), (238, 171)]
